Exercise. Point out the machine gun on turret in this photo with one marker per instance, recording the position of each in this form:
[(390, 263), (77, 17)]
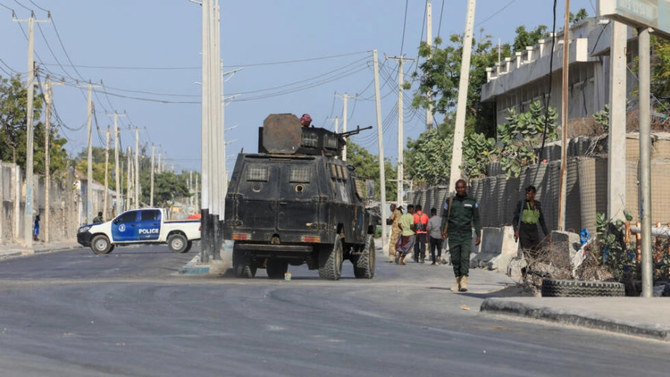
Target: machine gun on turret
[(353, 132), (283, 134)]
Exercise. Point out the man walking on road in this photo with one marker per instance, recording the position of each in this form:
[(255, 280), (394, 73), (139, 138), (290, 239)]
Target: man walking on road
[(406, 241), (459, 215), (435, 237), (420, 227), (396, 213)]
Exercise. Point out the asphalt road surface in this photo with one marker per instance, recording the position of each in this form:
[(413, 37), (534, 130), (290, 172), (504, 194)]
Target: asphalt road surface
[(130, 313)]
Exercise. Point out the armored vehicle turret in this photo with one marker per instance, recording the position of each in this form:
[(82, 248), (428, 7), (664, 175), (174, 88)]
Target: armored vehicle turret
[(296, 202)]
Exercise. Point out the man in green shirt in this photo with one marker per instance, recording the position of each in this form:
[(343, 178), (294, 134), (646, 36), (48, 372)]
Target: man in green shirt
[(406, 240), (457, 223)]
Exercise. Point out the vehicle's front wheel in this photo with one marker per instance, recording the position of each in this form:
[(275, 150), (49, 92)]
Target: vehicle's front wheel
[(276, 268), (101, 245), (364, 263), (330, 261), (177, 243)]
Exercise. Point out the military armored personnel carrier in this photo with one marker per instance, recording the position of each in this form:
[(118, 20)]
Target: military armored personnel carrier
[(296, 202)]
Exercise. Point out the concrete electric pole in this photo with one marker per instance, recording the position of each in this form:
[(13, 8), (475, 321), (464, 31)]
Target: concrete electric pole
[(401, 136), (48, 99), (429, 41), (380, 144), (459, 128), (117, 177), (151, 195), (137, 167), (89, 169), (562, 196), (28, 213), (106, 199), (345, 98)]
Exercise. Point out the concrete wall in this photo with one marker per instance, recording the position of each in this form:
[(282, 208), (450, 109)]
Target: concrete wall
[(65, 205)]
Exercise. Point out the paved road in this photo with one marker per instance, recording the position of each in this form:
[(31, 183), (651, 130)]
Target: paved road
[(130, 313)]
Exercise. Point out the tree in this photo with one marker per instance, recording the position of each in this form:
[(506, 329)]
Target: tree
[(522, 133), (168, 187), (428, 158), (525, 38), (660, 71), (440, 75), (367, 167), (478, 150), (13, 130)]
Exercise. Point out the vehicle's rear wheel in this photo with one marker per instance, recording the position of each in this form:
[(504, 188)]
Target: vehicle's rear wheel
[(276, 268), (330, 261), (364, 263), (177, 243), (242, 264), (101, 245), (188, 246)]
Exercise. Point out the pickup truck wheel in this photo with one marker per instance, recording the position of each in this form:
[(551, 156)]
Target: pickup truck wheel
[(364, 264), (177, 243), (330, 261), (101, 245), (242, 265), (276, 268), (188, 246)]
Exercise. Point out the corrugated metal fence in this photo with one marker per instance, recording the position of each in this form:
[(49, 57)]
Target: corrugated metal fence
[(586, 193)]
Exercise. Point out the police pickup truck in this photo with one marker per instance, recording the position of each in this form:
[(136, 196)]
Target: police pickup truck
[(147, 225)]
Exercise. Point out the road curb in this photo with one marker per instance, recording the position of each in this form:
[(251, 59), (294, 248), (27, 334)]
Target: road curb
[(510, 307)]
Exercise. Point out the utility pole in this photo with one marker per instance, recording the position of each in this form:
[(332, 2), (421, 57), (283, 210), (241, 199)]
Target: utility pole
[(401, 136), (337, 123), (137, 167), (159, 167), (616, 156), (116, 161), (28, 213), (429, 42), (129, 191), (459, 128), (89, 171), (151, 196), (645, 161), (48, 99), (380, 143), (562, 197), (345, 98), (106, 200)]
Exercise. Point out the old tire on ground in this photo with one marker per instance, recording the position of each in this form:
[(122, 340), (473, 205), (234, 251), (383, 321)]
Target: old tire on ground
[(101, 245), (576, 288), (364, 264), (177, 243), (330, 260), (276, 268), (242, 265)]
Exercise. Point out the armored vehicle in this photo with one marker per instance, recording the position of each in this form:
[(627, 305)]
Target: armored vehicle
[(296, 202)]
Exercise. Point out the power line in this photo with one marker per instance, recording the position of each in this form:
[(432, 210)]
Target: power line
[(404, 25)]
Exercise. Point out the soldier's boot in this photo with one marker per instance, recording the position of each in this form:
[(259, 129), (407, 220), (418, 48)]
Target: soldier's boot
[(402, 259), (457, 287), (464, 284)]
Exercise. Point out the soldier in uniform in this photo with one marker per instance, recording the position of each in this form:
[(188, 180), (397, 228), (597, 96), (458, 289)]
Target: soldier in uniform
[(457, 228), (396, 213)]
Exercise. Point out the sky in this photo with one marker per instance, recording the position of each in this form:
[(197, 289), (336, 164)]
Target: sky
[(289, 56)]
